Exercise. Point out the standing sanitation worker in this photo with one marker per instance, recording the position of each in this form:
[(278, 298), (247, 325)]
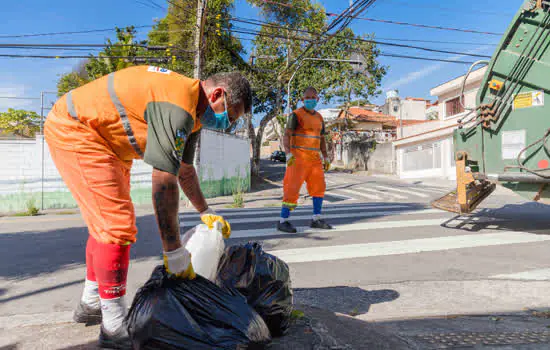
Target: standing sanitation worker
[(303, 140), (95, 132)]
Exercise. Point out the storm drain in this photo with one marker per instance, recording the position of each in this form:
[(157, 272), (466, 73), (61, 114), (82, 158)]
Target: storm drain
[(454, 340)]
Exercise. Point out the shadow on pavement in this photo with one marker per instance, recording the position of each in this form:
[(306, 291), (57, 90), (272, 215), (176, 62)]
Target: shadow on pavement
[(531, 217), (9, 347), (32, 253), (88, 346), (39, 291), (351, 301)]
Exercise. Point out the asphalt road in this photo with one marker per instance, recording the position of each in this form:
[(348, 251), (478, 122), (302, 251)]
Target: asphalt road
[(390, 256)]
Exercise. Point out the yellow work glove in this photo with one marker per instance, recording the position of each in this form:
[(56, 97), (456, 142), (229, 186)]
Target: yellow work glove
[(326, 164), (178, 263), (209, 217), (290, 160)]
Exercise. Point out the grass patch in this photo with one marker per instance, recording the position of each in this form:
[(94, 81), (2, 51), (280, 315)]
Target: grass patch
[(297, 314), (65, 212), (32, 210), (354, 312)]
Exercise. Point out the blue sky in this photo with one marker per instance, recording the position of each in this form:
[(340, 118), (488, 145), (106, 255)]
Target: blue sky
[(27, 77)]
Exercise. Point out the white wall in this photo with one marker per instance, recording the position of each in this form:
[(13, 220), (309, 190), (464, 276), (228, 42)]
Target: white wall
[(223, 158), (413, 110), (432, 158)]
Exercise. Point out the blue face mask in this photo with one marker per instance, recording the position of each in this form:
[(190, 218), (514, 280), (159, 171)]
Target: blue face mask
[(216, 121), (310, 104)]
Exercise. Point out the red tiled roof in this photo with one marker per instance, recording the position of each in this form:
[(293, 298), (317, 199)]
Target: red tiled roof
[(395, 123), (366, 115), (417, 99), (358, 114)]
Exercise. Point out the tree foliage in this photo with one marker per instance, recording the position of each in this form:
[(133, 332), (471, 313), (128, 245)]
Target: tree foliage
[(116, 55), (20, 123), (290, 31)]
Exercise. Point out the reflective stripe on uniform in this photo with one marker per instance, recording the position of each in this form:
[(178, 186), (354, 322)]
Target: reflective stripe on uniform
[(70, 106), (123, 116), (290, 206), (307, 136), (307, 148)]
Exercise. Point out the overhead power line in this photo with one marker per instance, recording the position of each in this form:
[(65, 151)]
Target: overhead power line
[(90, 56), (415, 4), (377, 42), (424, 58), (404, 23), (423, 25), (30, 35)]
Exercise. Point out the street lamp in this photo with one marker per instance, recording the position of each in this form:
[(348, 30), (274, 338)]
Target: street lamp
[(314, 59)]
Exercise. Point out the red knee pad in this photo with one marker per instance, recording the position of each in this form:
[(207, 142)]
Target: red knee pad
[(110, 262)]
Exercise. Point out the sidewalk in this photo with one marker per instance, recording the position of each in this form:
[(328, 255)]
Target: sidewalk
[(319, 329)]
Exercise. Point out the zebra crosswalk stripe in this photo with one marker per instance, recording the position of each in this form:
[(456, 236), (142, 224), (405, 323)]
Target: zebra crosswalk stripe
[(393, 195), (412, 246), (357, 194), (328, 216), (299, 210), (411, 192)]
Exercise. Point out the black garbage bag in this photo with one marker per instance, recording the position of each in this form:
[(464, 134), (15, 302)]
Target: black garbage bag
[(168, 313), (263, 279)]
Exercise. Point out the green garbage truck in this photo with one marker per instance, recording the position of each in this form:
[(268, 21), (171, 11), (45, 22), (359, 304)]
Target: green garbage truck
[(506, 139)]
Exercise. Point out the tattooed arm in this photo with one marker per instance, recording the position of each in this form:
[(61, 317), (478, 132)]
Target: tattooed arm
[(166, 204), (189, 182)]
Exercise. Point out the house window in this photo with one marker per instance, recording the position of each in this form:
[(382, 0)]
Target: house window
[(422, 157), (453, 107)]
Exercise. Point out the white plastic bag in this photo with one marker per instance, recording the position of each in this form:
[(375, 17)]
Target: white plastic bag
[(206, 248)]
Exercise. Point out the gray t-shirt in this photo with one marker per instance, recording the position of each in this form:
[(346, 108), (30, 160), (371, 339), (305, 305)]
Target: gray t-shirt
[(170, 139)]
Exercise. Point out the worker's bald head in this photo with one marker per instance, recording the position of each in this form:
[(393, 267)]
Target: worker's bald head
[(238, 92), (310, 93)]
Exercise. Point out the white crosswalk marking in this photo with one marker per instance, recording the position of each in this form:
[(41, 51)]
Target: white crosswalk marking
[(269, 232), (306, 209), (358, 194), (354, 251), (411, 192), (380, 193), (432, 189), (365, 214), (531, 275)]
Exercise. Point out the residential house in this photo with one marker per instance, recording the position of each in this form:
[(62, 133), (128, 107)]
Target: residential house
[(426, 149), (366, 125)]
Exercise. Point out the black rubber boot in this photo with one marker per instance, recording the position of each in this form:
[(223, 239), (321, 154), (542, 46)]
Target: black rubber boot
[(119, 340), (322, 224), (286, 227), (87, 315)]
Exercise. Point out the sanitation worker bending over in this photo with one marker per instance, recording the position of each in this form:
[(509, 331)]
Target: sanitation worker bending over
[(95, 132), (304, 139)]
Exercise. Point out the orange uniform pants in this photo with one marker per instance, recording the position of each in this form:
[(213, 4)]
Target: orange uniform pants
[(304, 169), (100, 183), (98, 180)]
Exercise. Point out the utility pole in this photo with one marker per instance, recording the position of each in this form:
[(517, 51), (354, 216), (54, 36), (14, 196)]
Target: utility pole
[(201, 7), (197, 73)]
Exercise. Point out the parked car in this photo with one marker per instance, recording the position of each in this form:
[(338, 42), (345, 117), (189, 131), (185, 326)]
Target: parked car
[(278, 156)]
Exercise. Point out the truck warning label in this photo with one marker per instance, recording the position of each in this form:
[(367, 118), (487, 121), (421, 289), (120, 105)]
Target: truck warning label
[(529, 99)]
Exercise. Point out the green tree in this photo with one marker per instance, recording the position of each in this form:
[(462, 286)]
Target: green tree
[(220, 49), (19, 122), (70, 81), (123, 53), (285, 38)]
